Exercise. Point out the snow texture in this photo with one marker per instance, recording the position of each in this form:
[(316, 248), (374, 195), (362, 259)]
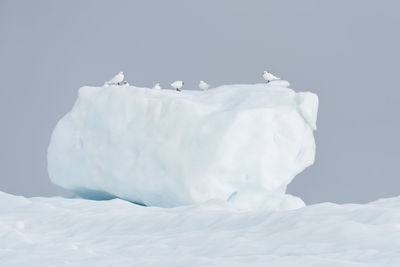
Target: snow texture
[(77, 232), (239, 143)]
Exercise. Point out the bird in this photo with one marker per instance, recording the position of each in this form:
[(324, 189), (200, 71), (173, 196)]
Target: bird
[(269, 77), (117, 79), (203, 85), (125, 83), (177, 85), (157, 86)]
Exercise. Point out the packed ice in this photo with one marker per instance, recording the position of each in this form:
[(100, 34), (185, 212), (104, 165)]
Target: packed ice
[(239, 143)]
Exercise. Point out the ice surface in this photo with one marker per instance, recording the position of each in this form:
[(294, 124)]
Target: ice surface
[(241, 143), (281, 83), (76, 232)]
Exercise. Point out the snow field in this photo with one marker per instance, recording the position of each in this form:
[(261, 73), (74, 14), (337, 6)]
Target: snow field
[(78, 232)]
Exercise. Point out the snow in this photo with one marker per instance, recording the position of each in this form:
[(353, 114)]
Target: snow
[(78, 232), (238, 143), (281, 83)]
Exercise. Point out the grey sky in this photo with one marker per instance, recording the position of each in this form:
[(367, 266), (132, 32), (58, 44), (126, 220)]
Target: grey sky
[(345, 51)]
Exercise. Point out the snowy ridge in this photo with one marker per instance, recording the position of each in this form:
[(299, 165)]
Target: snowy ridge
[(241, 143), (77, 232)]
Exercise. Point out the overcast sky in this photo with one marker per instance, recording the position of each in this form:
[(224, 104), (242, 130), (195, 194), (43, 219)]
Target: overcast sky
[(347, 52)]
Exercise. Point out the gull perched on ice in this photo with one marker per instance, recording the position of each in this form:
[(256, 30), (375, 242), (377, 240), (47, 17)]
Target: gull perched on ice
[(203, 85), (269, 77), (157, 86), (117, 79), (177, 85)]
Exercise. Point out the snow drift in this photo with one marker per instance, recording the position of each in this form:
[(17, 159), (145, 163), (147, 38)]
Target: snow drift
[(240, 143), (79, 232)]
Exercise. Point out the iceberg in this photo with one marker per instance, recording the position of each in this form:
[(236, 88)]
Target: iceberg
[(238, 143)]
